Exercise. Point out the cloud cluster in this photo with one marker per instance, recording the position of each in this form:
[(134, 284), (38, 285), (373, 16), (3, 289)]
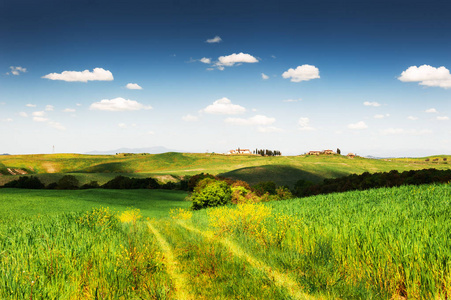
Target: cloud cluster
[(17, 70), (302, 73), (216, 39), (431, 111), (428, 76), (304, 124), (118, 104), (223, 106), (98, 74), (255, 120), (205, 60), (358, 126), (133, 86), (235, 58), (375, 104)]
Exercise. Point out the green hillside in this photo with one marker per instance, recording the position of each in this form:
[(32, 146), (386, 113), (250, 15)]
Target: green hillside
[(282, 170)]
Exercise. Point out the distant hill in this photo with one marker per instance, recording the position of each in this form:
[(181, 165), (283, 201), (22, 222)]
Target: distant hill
[(150, 150)]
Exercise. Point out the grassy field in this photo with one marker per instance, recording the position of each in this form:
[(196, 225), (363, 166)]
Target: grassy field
[(282, 170), (377, 244)]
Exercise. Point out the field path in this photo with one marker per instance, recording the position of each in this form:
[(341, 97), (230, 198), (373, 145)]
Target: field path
[(180, 286), (279, 278)]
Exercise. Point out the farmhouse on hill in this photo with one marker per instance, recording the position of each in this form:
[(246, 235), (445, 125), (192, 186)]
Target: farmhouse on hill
[(320, 152), (239, 151)]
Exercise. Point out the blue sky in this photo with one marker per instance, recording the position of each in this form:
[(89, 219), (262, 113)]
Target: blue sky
[(370, 77)]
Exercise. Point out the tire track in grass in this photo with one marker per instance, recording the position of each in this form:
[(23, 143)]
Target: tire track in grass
[(180, 286), (280, 279)]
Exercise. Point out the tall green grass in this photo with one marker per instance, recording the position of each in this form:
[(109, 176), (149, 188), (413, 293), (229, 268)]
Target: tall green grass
[(363, 245)]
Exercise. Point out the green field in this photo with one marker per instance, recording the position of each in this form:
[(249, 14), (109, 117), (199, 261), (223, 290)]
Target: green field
[(390, 243), (284, 170)]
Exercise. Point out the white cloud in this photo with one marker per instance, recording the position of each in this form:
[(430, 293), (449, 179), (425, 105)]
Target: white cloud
[(375, 104), (444, 118), (216, 39), (133, 86), (40, 119), (97, 74), (269, 129), (78, 104), (30, 105), (190, 118), (23, 114), (38, 113), (205, 60), (7, 120), (49, 107), (118, 104), (304, 124), (224, 106), (255, 120), (381, 116), (302, 73), (264, 76), (412, 118), (234, 58), (431, 110), (69, 110), (122, 125), (17, 70), (427, 75), (358, 125), (56, 125), (292, 100)]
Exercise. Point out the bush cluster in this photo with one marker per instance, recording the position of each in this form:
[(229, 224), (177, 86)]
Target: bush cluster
[(70, 182), (367, 181), (210, 191)]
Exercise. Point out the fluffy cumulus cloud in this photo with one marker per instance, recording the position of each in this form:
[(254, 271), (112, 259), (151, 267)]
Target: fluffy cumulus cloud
[(375, 104), (264, 76), (133, 86), (118, 104), (304, 124), (98, 74), (30, 105), (223, 106), (302, 73), (358, 125), (190, 118), (69, 110), (431, 111), (443, 118), (216, 39), (38, 113), (205, 60), (255, 120), (17, 70), (234, 58), (427, 75)]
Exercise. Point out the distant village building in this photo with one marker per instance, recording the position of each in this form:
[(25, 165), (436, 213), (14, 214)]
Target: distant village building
[(320, 152), (239, 151), (314, 153), (351, 155)]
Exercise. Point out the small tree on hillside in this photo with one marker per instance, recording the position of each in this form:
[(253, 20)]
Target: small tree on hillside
[(338, 151)]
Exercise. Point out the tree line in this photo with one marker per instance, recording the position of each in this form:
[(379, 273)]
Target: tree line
[(266, 152)]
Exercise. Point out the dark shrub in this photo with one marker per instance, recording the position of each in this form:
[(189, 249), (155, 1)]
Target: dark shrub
[(26, 183), (264, 187), (68, 182)]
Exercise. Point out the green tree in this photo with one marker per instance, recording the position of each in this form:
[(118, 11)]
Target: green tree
[(68, 182), (209, 193)]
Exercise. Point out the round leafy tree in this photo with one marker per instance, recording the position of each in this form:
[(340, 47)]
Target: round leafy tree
[(209, 193)]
